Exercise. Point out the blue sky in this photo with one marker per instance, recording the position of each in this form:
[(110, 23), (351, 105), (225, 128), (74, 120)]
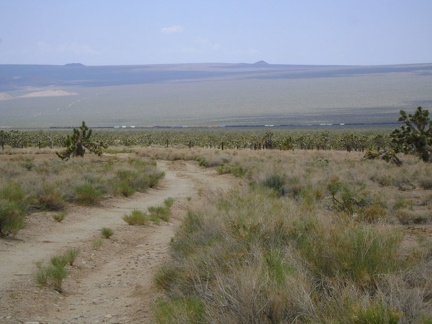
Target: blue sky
[(123, 32)]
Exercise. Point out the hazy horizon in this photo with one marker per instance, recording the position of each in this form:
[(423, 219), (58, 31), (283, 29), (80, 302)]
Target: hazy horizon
[(209, 95)]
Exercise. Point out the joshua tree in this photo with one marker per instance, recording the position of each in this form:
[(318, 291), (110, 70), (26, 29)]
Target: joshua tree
[(3, 139), (77, 144), (415, 137)]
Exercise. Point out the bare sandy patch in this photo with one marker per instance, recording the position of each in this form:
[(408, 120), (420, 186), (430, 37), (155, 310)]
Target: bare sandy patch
[(48, 93), (5, 96)]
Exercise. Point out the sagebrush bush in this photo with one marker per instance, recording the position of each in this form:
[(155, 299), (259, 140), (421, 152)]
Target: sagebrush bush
[(59, 217), (87, 194), (107, 232), (137, 217), (13, 208), (154, 213), (71, 255), (276, 182), (54, 273)]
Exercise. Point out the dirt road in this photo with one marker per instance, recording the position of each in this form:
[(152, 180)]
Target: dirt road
[(111, 280)]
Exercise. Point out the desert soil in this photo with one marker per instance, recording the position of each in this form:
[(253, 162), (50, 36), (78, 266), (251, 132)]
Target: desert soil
[(112, 279)]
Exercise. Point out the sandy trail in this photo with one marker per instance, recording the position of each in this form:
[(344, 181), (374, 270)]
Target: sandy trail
[(110, 283)]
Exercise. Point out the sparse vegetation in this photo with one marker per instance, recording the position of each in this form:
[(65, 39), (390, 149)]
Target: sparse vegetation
[(87, 194), (13, 207), (153, 214), (137, 217), (316, 236), (311, 240), (71, 255), (107, 232), (59, 217), (97, 243), (51, 185), (55, 272)]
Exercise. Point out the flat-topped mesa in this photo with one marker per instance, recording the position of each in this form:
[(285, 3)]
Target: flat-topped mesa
[(261, 63), (74, 65)]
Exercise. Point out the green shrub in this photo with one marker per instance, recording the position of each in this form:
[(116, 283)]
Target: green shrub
[(426, 183), (357, 253), (12, 217), (124, 183), (54, 273), (160, 212), (372, 214), (59, 217), (50, 198), (181, 310), (127, 182), (56, 276), (87, 194), (59, 261), (346, 198), (124, 188), (235, 169), (376, 313), (137, 217), (13, 207), (275, 182), (107, 232), (169, 202), (71, 255), (165, 276), (41, 275), (201, 161)]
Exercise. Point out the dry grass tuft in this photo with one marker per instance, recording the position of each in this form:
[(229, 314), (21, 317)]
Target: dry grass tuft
[(315, 238)]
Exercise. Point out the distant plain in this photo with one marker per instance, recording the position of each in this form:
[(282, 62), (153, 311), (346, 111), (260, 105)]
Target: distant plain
[(209, 95)]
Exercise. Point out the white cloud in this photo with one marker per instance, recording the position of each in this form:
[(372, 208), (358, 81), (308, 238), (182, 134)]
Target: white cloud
[(176, 29), (208, 44)]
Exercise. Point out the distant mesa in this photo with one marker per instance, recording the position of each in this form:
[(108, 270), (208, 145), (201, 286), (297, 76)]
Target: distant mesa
[(74, 65), (261, 63)]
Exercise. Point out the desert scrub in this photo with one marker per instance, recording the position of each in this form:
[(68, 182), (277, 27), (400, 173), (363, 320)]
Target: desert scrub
[(107, 232), (137, 217), (184, 310), (71, 255), (13, 208), (97, 243), (275, 182), (59, 217), (87, 194), (140, 178), (271, 261), (161, 212), (55, 272), (155, 214), (51, 184), (49, 197)]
